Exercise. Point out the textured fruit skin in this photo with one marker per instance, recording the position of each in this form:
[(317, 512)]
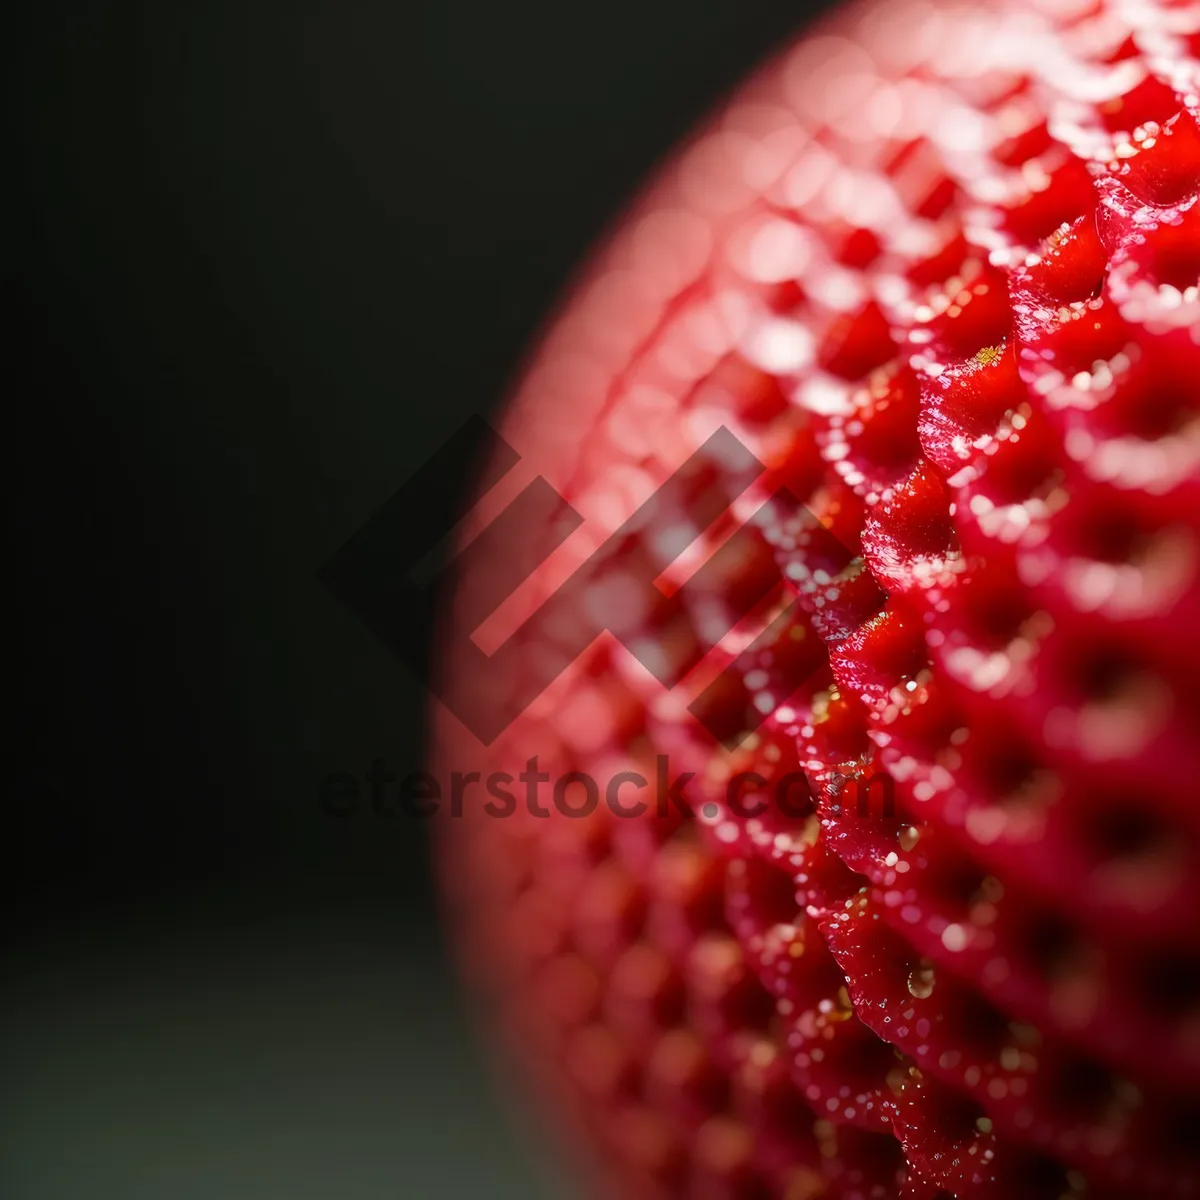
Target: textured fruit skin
[(937, 267)]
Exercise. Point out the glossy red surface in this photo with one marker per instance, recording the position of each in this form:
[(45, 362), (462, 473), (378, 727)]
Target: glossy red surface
[(937, 267)]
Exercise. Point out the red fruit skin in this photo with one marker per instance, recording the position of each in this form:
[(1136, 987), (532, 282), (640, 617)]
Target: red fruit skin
[(937, 268)]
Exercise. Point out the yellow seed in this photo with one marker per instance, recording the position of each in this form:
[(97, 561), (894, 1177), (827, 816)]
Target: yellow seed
[(921, 980)]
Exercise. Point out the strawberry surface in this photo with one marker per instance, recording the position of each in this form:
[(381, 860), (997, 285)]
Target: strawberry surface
[(936, 269)]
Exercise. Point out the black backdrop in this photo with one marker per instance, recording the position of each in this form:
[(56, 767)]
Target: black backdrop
[(267, 256)]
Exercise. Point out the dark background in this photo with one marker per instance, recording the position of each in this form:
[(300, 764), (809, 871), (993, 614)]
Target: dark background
[(267, 257)]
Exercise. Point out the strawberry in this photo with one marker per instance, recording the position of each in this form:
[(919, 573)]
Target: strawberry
[(936, 269)]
